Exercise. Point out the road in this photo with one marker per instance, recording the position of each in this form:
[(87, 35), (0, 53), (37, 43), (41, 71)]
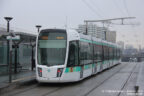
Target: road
[(116, 81)]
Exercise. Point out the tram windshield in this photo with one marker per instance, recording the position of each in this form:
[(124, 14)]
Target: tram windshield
[(52, 47)]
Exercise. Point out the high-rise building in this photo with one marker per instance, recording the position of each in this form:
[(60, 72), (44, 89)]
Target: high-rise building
[(111, 36), (98, 32), (93, 29), (101, 32)]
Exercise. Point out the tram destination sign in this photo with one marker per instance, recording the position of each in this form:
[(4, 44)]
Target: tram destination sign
[(17, 37)]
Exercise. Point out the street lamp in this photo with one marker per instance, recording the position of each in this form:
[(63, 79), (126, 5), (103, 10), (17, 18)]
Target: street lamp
[(32, 58), (38, 27), (8, 19)]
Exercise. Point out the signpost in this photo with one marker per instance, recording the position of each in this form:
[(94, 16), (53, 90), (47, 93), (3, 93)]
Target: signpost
[(17, 37)]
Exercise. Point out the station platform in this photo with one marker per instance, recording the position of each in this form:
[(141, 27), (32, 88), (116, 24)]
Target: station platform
[(23, 76)]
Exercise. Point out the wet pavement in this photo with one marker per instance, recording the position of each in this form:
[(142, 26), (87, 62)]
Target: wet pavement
[(117, 81), (21, 76)]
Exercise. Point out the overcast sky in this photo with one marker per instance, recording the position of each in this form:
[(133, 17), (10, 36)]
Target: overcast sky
[(53, 13)]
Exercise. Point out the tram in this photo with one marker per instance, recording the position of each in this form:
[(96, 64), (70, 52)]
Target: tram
[(68, 56)]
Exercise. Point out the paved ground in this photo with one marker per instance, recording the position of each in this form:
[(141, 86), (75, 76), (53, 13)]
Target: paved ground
[(21, 76), (117, 81), (17, 76)]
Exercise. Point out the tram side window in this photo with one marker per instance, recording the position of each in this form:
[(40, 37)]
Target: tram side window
[(107, 50), (110, 53), (120, 53), (73, 54), (85, 53), (104, 50), (91, 51), (100, 52), (117, 53), (97, 52), (113, 53), (105, 53)]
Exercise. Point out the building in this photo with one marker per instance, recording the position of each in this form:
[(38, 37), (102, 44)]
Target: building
[(130, 50), (121, 43), (101, 32), (98, 32), (111, 36), (93, 30), (128, 46)]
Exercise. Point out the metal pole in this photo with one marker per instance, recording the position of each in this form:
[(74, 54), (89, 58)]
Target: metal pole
[(9, 49), (9, 56), (105, 35), (32, 59), (109, 19), (104, 30), (10, 63), (86, 28), (15, 70), (8, 26), (38, 30), (8, 46)]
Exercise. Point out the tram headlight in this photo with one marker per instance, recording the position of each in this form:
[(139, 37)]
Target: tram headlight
[(59, 72), (40, 72)]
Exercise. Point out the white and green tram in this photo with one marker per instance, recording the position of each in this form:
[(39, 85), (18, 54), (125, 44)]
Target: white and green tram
[(68, 56)]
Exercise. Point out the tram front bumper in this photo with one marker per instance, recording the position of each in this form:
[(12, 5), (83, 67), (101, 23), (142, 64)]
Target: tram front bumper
[(44, 79)]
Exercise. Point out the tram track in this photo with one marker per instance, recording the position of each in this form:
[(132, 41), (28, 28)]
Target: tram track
[(86, 94), (57, 88), (53, 91), (127, 80)]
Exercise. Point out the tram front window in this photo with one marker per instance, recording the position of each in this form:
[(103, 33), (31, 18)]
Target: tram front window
[(52, 48)]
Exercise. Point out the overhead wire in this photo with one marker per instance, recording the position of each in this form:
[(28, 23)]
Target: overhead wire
[(126, 8), (96, 6), (128, 13), (117, 6), (92, 9)]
